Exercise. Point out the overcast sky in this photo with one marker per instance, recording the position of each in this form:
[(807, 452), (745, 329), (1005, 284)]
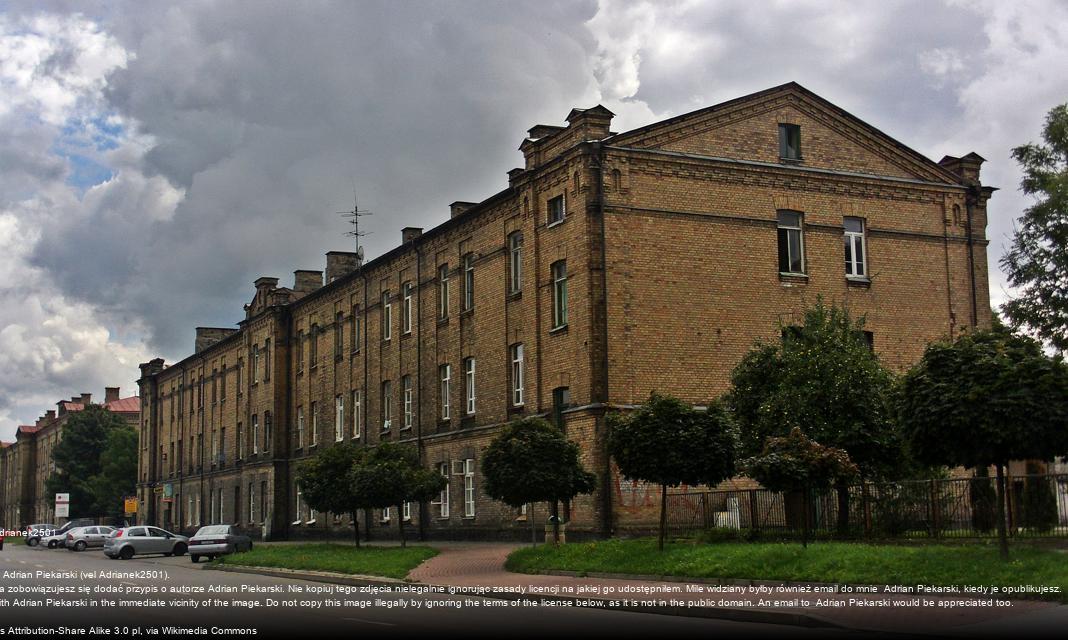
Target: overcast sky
[(155, 159)]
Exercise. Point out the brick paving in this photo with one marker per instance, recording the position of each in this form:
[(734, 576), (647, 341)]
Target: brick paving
[(482, 564)]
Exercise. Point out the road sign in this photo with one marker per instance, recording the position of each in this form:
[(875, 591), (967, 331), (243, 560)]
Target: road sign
[(62, 505), (131, 505)]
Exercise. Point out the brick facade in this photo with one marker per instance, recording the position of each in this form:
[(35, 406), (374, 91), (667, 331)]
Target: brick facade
[(669, 245), (26, 463)]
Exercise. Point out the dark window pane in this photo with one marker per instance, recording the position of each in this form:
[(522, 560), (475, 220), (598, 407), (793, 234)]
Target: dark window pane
[(849, 255), (855, 225), (860, 257), (784, 256), (795, 251)]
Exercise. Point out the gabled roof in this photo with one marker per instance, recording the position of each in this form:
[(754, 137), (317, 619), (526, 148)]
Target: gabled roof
[(29, 428), (903, 153), (125, 405)]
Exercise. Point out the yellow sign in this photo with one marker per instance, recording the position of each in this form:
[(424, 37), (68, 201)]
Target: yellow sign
[(131, 505)]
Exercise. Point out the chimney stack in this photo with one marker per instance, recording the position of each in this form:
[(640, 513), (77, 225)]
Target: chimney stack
[(410, 233), (86, 399), (306, 281), (50, 415), (111, 394), (340, 263), (459, 207)]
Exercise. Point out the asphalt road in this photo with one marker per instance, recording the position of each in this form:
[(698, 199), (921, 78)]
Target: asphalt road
[(163, 591)]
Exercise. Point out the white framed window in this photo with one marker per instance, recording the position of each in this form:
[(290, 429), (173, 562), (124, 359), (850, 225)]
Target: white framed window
[(300, 506), (515, 262), (357, 413), (469, 385), (517, 374), (313, 515), (407, 387), (255, 434), (559, 274), (443, 497), (196, 513), (407, 511), (339, 418), (314, 422), (557, 210), (255, 363), (406, 315), (300, 427), (387, 404), (855, 251), (445, 373), (443, 291), (469, 281), (791, 242), (387, 317), (189, 513), (386, 516), (251, 503), (469, 488)]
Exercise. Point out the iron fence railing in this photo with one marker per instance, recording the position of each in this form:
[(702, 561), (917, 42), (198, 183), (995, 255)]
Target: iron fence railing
[(1036, 507)]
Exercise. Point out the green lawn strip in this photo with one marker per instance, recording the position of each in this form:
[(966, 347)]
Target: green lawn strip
[(391, 562), (835, 562)]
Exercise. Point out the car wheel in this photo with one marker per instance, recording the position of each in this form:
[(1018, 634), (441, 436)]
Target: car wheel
[(180, 549), (195, 558), (80, 545), (126, 553), (33, 542), (51, 544)]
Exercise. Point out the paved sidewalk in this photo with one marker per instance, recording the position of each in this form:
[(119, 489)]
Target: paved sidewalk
[(482, 564)]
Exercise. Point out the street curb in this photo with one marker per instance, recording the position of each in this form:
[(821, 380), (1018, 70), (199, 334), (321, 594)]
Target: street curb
[(762, 616)]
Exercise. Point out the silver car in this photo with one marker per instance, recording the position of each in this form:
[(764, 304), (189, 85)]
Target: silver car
[(81, 538), (215, 540), (35, 532), (59, 536), (130, 541)]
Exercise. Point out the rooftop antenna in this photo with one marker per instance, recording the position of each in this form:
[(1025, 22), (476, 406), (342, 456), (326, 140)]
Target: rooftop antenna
[(354, 219)]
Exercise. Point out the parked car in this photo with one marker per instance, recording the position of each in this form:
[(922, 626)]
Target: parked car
[(127, 542), (57, 539), (81, 538), (35, 532), (215, 540)]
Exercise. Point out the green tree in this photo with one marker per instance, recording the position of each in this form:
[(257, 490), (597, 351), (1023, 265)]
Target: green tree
[(797, 463), (824, 379), (326, 482), (532, 461), (667, 442), (1039, 502), (118, 473), (390, 475), (1037, 263), (985, 399), (77, 457)]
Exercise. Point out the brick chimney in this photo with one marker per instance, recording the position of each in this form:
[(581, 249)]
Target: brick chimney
[(151, 368), (87, 399), (339, 263), (111, 394), (306, 281), (410, 233), (966, 167), (50, 415), (459, 207)]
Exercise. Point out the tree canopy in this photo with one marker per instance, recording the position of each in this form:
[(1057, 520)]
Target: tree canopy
[(390, 475), (824, 379), (326, 482), (985, 399), (795, 462), (532, 461), (118, 473), (667, 442), (1037, 263), (78, 458)]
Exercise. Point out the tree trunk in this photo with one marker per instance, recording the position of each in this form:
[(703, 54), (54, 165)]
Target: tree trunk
[(400, 524), (367, 514), (842, 489), (533, 525), (663, 517), (556, 522), (1003, 535), (804, 518)]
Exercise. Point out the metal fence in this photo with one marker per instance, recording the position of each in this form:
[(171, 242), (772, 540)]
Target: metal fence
[(1036, 507)]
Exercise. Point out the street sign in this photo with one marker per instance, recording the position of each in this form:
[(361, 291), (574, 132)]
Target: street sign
[(62, 505), (130, 505)]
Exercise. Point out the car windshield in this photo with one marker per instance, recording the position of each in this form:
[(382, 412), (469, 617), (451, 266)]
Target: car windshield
[(214, 530)]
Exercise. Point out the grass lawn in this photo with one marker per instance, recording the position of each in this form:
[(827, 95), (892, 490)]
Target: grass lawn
[(835, 562), (391, 562)]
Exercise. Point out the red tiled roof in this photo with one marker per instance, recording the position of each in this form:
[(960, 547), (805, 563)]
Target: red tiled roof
[(125, 405), (29, 428), (72, 406)]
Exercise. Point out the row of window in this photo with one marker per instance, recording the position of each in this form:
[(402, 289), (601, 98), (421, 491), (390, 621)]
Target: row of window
[(792, 245)]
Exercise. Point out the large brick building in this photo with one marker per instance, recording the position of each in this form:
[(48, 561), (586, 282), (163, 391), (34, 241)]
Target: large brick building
[(613, 264), (26, 463)]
